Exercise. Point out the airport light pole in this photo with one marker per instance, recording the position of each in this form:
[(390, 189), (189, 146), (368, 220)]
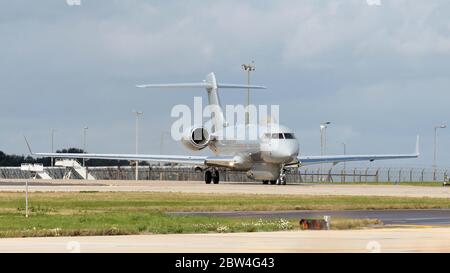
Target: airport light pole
[(85, 128), (323, 137), (52, 137), (26, 198), (323, 143), (137, 113), (345, 152), (249, 68), (442, 126)]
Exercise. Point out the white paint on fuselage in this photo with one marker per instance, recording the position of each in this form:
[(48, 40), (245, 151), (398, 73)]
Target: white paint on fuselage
[(257, 149)]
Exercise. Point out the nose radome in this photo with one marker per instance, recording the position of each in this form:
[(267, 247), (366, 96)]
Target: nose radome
[(286, 151), (296, 149), (291, 149), (292, 152)]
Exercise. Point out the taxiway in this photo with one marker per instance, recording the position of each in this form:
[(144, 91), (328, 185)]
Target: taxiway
[(230, 188), (372, 240)]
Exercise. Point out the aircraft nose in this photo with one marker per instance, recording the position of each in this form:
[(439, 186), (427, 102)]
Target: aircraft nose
[(292, 150), (286, 152)]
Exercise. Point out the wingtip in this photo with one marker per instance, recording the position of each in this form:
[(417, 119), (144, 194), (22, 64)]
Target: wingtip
[(28, 145), (418, 145)]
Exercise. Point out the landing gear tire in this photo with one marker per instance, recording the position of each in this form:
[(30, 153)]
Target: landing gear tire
[(281, 181), (216, 177), (208, 177), (273, 182), (266, 182)]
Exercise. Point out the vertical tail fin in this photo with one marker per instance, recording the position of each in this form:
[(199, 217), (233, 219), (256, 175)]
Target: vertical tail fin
[(217, 116), (211, 86)]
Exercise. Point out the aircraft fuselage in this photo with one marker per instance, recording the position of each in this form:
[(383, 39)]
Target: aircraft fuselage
[(263, 155)]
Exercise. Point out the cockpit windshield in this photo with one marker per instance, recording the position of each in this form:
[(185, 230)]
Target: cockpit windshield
[(280, 136), (277, 136), (289, 136)]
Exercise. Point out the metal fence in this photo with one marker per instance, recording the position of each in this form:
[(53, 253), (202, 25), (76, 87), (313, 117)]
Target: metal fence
[(302, 175), (369, 175)]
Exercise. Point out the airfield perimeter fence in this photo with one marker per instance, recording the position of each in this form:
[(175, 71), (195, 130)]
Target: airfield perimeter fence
[(302, 175)]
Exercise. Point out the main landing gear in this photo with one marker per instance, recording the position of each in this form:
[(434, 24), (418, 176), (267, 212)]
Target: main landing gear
[(212, 175)]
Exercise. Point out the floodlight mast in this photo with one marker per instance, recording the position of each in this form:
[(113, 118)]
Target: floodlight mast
[(137, 114), (442, 126), (85, 128), (249, 68), (323, 143), (52, 163)]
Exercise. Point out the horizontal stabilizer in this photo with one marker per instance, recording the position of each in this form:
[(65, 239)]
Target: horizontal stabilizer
[(176, 85), (210, 83), (240, 86), (201, 85)]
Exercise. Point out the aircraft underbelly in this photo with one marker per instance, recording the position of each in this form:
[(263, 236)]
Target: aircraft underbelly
[(264, 171)]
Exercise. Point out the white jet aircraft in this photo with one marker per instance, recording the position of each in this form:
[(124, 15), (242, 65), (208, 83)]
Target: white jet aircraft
[(264, 159)]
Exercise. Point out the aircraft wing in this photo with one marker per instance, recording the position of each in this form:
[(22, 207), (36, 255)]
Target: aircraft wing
[(310, 160), (194, 160), (218, 161)]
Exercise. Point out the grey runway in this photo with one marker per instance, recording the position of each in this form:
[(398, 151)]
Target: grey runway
[(432, 217), (367, 240)]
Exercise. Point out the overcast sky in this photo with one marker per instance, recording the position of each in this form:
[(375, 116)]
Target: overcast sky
[(380, 74)]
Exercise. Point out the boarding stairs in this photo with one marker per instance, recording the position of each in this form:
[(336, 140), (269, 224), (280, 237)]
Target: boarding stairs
[(74, 168), (43, 175), (37, 170)]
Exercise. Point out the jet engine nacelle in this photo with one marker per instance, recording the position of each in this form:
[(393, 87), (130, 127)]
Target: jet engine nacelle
[(196, 138)]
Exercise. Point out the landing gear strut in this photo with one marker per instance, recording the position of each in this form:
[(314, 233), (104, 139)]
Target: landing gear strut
[(212, 175), (282, 179)]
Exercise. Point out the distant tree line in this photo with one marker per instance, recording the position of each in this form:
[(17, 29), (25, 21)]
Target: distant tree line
[(16, 160)]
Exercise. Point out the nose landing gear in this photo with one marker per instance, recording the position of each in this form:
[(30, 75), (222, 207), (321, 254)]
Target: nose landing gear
[(282, 179), (212, 175)]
